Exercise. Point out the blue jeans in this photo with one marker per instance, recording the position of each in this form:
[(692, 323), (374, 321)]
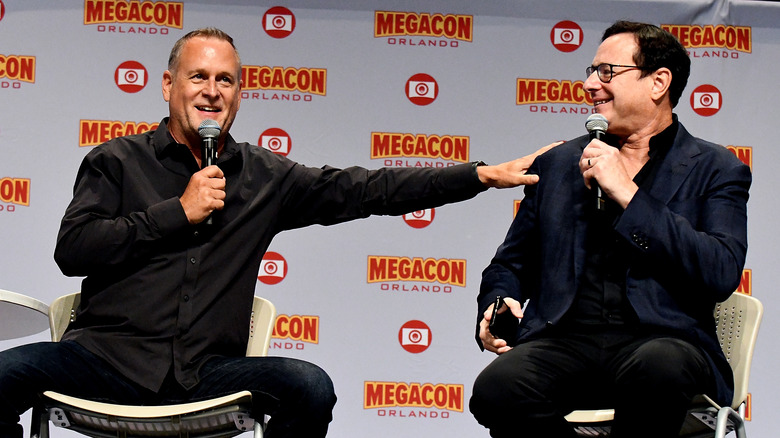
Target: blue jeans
[(297, 395)]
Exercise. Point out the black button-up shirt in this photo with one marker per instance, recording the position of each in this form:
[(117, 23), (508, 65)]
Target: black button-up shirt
[(161, 294), (601, 299)]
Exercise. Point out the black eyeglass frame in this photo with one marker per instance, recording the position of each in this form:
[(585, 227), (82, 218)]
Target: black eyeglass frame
[(597, 68)]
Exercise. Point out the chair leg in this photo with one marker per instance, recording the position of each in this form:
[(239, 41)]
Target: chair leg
[(39, 423), (259, 429), (723, 416)]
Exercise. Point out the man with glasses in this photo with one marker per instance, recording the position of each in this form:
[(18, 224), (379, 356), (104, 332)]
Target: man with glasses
[(620, 300)]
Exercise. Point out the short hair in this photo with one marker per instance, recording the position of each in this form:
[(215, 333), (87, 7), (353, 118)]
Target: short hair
[(206, 32), (657, 48)]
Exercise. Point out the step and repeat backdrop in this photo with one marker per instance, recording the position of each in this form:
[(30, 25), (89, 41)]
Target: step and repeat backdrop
[(386, 305)]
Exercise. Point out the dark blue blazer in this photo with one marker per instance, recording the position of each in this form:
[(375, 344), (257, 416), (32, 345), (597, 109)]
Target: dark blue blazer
[(688, 235)]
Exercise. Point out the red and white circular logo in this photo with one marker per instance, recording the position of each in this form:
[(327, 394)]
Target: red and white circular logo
[(275, 140), (422, 89), (273, 268), (278, 22), (420, 218), (566, 36), (131, 76), (706, 100), (414, 336)]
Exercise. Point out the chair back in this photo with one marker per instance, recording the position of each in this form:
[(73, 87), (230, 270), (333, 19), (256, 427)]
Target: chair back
[(62, 312), (738, 319), (261, 327)]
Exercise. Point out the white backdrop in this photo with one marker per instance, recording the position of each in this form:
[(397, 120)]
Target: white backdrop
[(76, 72)]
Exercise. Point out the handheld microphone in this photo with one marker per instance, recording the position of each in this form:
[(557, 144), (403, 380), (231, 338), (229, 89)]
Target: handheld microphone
[(209, 133), (596, 124)]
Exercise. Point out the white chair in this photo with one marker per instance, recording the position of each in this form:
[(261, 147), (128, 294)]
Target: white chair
[(219, 417), (738, 319)]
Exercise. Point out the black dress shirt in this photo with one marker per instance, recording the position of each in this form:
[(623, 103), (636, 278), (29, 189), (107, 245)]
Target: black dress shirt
[(601, 300), (162, 295)]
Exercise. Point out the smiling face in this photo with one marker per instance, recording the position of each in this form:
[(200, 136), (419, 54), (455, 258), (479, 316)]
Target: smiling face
[(627, 100), (203, 84)]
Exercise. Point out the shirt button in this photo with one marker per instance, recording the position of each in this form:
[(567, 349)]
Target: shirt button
[(192, 260), (196, 233), (186, 298)]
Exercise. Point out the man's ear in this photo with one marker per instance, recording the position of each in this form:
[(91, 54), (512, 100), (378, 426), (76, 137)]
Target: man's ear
[(167, 80), (662, 80)]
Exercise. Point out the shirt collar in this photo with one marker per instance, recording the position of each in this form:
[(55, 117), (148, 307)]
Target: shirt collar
[(164, 142)]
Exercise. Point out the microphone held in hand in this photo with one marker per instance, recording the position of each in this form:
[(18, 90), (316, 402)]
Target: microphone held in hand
[(209, 133), (596, 124)]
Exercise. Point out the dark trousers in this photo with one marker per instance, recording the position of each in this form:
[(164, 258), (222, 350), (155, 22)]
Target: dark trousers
[(648, 379), (297, 395)]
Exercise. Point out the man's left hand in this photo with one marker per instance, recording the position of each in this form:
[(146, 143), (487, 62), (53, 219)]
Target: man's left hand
[(512, 173)]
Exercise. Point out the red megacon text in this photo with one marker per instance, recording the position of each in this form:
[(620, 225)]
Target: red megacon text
[(459, 27), (305, 80), (19, 68), (15, 191), (444, 271), (737, 38), (551, 91), (298, 328), (420, 395), (746, 282), (95, 132), (446, 147), (168, 14)]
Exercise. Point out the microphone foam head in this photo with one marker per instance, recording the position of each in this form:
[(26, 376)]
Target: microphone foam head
[(596, 122), (209, 129)]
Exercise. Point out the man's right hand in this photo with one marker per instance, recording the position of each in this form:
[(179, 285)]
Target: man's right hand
[(204, 194), (490, 342)]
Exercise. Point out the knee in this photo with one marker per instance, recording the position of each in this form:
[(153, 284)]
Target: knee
[(666, 362), (315, 388)]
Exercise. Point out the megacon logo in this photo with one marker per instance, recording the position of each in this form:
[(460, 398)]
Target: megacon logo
[(13, 192), (413, 400), (95, 132), (273, 268), (420, 218), (744, 153), (131, 76), (566, 36), (134, 17), (553, 96), (398, 149), (283, 83), (423, 29), (278, 22), (292, 332), (15, 69), (275, 140), (713, 41), (746, 282), (421, 89), (415, 336), (393, 273), (706, 100)]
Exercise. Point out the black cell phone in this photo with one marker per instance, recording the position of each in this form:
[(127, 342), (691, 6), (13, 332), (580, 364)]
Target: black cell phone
[(503, 325)]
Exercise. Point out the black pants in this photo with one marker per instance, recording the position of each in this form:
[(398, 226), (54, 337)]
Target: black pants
[(648, 379), (298, 395)]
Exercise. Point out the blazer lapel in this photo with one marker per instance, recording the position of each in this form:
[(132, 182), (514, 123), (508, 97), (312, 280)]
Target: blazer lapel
[(676, 167)]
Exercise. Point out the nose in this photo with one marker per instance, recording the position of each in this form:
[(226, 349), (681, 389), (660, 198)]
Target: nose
[(592, 82), (210, 88)]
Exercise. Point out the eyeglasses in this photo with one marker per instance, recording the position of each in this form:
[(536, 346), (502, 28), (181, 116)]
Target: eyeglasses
[(606, 71)]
